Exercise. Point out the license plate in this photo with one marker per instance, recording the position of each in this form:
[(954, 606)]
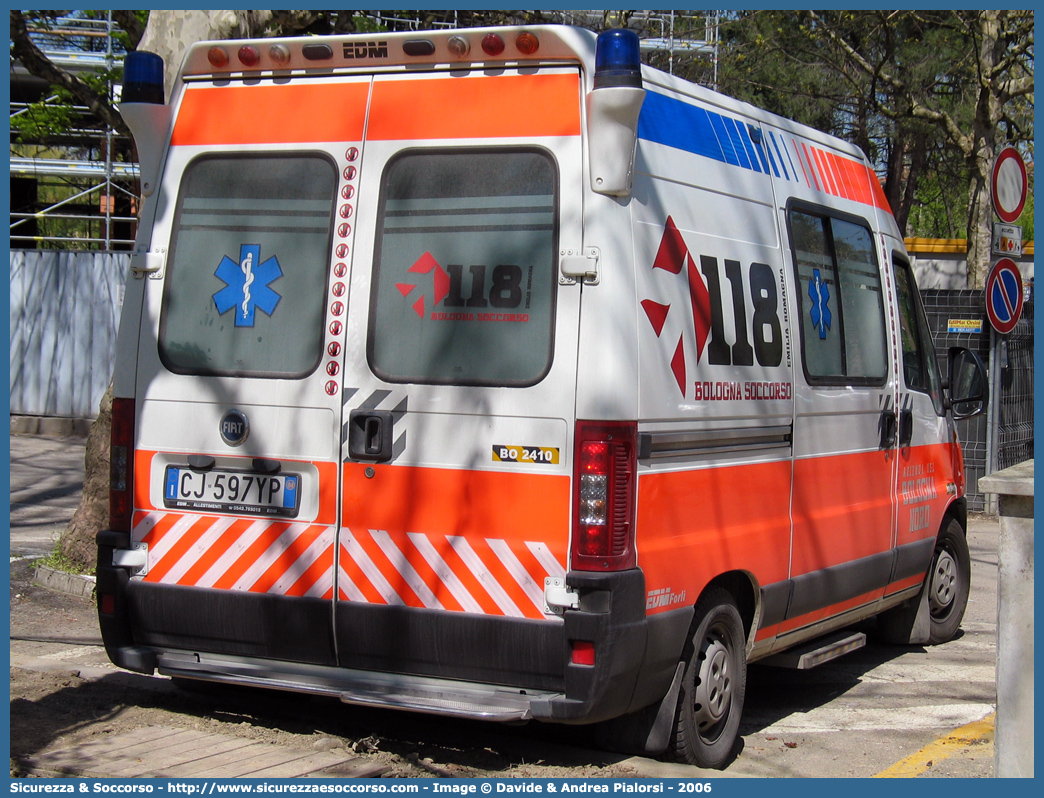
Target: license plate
[(232, 491)]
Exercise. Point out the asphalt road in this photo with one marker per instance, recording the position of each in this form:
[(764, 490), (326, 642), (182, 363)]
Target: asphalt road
[(881, 709)]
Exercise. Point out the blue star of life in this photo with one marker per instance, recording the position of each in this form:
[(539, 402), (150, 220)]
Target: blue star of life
[(819, 292), (246, 285)]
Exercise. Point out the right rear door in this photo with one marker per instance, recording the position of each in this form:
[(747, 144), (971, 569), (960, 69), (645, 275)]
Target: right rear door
[(459, 355)]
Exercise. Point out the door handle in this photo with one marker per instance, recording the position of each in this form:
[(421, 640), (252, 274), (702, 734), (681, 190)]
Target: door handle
[(888, 425), (370, 435), (905, 427)]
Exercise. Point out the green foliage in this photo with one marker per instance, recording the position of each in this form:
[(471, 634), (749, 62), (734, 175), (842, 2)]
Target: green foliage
[(57, 561)]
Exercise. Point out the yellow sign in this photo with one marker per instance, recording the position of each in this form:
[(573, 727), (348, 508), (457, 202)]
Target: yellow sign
[(528, 455)]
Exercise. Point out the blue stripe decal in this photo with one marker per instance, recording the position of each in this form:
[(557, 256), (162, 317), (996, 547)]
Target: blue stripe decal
[(775, 146), (760, 152), (728, 145), (687, 127), (767, 152), (679, 125), (748, 146)]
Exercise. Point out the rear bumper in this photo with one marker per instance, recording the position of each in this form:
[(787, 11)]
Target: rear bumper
[(440, 662)]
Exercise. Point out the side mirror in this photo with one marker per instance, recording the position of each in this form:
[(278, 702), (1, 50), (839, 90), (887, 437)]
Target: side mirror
[(969, 389)]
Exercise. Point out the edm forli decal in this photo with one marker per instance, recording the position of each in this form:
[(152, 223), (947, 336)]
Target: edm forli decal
[(246, 285)]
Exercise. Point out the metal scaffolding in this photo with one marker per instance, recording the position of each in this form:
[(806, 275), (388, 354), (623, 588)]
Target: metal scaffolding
[(68, 187)]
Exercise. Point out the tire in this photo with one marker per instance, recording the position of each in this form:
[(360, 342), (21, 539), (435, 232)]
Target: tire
[(948, 583), (707, 718)]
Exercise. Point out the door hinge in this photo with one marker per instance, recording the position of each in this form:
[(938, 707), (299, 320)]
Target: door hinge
[(558, 597)]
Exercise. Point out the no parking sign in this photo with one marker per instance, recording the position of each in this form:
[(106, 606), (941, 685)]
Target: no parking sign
[(1004, 295)]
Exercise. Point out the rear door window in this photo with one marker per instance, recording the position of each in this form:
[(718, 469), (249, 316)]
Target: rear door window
[(246, 275), (464, 274)]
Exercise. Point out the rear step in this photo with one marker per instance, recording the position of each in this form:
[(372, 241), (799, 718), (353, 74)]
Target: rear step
[(816, 652)]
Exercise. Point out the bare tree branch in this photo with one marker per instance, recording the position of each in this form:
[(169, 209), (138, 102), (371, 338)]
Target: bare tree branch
[(38, 64)]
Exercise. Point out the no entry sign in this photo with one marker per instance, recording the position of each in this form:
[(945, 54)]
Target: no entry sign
[(1008, 185), (1004, 295)]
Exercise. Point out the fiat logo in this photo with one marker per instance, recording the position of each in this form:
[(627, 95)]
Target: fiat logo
[(234, 427)]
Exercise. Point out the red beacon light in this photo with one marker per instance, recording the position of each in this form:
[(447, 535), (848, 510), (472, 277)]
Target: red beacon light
[(249, 56), (527, 43), (218, 57), (492, 44)]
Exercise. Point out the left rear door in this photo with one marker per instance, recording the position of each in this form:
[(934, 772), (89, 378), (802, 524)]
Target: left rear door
[(238, 416)]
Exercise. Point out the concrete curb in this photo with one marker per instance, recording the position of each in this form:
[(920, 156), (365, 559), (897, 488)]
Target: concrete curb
[(73, 584), (54, 427)]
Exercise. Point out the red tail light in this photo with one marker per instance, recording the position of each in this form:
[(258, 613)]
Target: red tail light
[(605, 474), (121, 465)]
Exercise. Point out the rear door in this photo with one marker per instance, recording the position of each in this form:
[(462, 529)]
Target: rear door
[(239, 403), (459, 361), (361, 375)]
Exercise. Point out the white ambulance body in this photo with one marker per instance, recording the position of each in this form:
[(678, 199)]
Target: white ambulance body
[(461, 376)]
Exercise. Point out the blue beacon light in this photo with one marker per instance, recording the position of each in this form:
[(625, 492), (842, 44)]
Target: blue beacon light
[(142, 78), (618, 59)]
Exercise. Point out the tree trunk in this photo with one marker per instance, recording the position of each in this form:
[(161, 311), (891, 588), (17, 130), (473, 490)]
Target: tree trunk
[(77, 541), (169, 34)]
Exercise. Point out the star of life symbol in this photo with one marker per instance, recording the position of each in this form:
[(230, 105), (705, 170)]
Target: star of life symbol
[(673, 257), (246, 285), (819, 293)]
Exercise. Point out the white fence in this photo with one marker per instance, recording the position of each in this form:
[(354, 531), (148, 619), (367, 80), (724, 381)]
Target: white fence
[(65, 309)]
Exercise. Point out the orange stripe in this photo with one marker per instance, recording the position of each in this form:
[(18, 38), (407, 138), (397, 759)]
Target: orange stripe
[(272, 114), (142, 475), (160, 529), (879, 198), (174, 554), (285, 561), (902, 584), (475, 107), (256, 549), (358, 577), (470, 582), (323, 563), (842, 509), (388, 571), (474, 504), (693, 525), (215, 552), (504, 578), (826, 612)]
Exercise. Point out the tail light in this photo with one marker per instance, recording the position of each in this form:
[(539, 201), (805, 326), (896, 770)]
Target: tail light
[(605, 474), (121, 466)]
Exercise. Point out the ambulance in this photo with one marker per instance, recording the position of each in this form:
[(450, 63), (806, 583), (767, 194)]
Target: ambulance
[(493, 374)]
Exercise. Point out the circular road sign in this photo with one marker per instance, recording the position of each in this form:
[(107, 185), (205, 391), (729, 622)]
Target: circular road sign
[(1004, 295), (1008, 184)]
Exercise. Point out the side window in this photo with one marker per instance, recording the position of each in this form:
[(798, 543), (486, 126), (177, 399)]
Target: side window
[(246, 278), (842, 312), (464, 273), (920, 368)]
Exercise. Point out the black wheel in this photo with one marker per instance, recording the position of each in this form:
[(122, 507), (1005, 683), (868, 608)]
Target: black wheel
[(948, 583), (706, 721)]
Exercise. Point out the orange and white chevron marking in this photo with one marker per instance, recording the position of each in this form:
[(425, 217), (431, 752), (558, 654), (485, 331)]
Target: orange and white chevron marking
[(447, 572), (256, 555)]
